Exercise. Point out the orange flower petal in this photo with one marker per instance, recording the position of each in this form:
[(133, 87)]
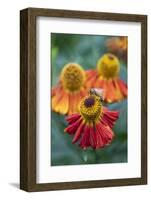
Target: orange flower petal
[(111, 92), (83, 93), (91, 73), (123, 87), (91, 78), (70, 104), (63, 104), (54, 90), (118, 92), (75, 101), (103, 85), (56, 99)]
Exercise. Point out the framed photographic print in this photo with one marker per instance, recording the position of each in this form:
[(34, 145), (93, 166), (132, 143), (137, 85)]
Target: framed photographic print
[(83, 99)]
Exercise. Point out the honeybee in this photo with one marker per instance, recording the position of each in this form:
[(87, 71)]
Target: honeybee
[(98, 92)]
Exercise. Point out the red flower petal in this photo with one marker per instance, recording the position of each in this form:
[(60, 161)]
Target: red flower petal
[(72, 118), (78, 133), (72, 128), (93, 140), (104, 135), (85, 141), (96, 136), (99, 140), (109, 117)]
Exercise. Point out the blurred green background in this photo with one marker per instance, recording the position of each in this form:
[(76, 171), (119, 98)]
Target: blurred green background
[(84, 50)]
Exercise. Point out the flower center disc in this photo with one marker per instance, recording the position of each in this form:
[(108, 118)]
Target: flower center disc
[(108, 66), (91, 108), (72, 77)]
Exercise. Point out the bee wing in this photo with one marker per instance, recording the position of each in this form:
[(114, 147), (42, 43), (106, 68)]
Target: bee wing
[(99, 92)]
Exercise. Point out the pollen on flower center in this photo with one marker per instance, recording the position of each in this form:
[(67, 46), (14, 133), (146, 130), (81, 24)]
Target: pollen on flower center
[(72, 77), (91, 108), (108, 66)]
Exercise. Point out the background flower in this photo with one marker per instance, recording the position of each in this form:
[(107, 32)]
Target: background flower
[(118, 46), (68, 92), (106, 76)]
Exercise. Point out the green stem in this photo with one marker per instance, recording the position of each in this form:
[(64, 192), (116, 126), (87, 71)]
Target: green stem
[(89, 156)]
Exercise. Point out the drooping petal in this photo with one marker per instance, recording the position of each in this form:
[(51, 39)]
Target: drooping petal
[(53, 91), (78, 133), (103, 85), (91, 78), (70, 104), (114, 88), (109, 117), (90, 74), (72, 118), (93, 139), (72, 128), (85, 140), (111, 94), (117, 90), (123, 87), (56, 98), (63, 104), (112, 91), (99, 83), (99, 140), (83, 93), (104, 135), (78, 98), (75, 101)]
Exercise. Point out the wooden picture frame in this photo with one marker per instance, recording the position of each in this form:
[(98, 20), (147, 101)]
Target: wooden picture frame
[(28, 98)]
